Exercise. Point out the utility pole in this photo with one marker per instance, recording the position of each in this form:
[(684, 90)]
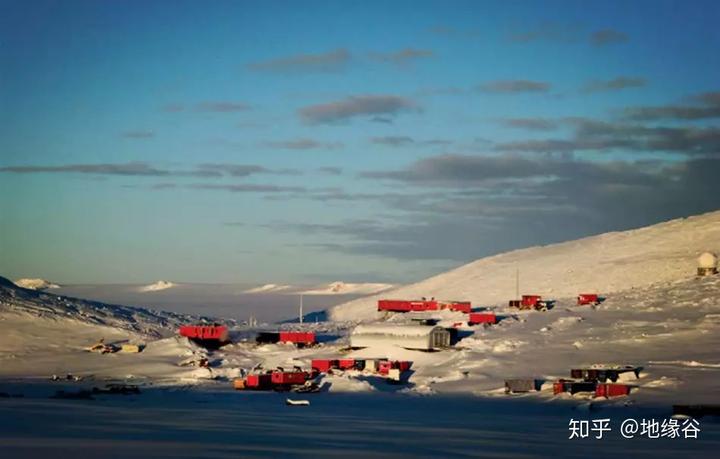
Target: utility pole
[(301, 308)]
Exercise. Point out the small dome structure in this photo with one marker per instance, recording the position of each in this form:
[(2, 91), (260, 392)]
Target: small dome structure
[(707, 264)]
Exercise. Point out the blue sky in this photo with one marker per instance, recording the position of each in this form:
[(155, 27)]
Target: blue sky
[(315, 141)]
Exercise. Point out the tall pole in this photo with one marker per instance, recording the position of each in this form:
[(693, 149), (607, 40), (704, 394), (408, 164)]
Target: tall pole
[(517, 283), (301, 308)]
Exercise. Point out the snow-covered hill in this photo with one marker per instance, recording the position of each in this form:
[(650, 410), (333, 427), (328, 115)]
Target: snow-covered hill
[(36, 284), (606, 263), (27, 302), (157, 286)]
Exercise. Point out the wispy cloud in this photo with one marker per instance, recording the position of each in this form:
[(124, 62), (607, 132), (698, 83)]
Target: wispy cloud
[(356, 106), (392, 141), (548, 32), (601, 136), (514, 86), (537, 124), (568, 34), (400, 141), (454, 32), (173, 108), (701, 106), (402, 57), (332, 61), (132, 168), (248, 188), (608, 37), (244, 170), (144, 169), (138, 134), (304, 144), (330, 170), (614, 84), (221, 106)]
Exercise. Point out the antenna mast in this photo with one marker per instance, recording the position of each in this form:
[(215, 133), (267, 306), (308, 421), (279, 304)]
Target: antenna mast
[(301, 308)]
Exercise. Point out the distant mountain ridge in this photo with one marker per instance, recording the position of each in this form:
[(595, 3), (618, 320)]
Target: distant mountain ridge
[(14, 298)]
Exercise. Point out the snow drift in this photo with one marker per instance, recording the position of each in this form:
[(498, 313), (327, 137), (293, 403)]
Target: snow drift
[(606, 263)]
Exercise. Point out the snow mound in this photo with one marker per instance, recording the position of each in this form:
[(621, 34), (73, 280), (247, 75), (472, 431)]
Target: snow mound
[(157, 286), (35, 284), (344, 288), (267, 288), (607, 263)]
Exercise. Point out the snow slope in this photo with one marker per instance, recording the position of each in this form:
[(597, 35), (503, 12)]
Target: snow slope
[(606, 263), (35, 284), (46, 334), (31, 303)]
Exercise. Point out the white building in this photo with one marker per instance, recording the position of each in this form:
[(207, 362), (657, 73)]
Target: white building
[(707, 264), (406, 336)]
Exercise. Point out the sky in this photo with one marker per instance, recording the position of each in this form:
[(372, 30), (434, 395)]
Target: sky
[(260, 141)]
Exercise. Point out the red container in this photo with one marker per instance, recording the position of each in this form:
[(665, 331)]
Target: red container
[(530, 300), (258, 381), (288, 377), (407, 306), (460, 306), (587, 298), (297, 337), (402, 365), (465, 307), (205, 332), (482, 318), (323, 365), (394, 305), (346, 364), (612, 390), (384, 367), (559, 386)]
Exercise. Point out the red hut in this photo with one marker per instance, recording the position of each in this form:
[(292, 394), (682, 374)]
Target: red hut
[(482, 318), (298, 338), (612, 390), (206, 335), (588, 298)]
